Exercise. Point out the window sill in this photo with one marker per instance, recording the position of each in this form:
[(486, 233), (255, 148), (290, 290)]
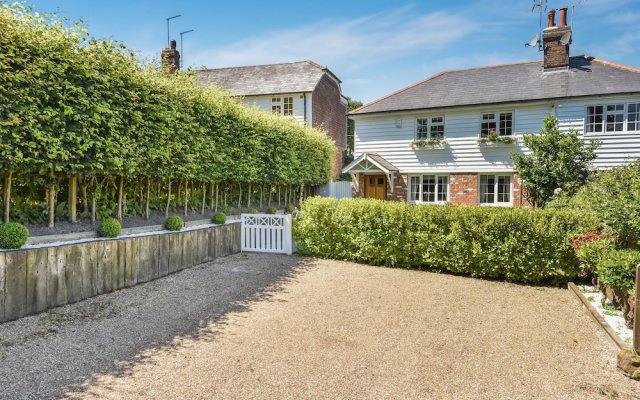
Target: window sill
[(504, 205)]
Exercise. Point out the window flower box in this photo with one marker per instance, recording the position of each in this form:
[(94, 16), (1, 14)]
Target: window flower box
[(493, 139), (429, 144)]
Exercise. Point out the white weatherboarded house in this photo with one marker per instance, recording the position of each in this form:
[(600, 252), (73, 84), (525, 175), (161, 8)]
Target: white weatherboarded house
[(426, 143)]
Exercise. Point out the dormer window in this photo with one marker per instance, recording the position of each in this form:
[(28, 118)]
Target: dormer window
[(431, 128), (500, 123)]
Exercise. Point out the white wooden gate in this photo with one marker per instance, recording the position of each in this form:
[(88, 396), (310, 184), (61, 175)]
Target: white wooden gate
[(267, 233)]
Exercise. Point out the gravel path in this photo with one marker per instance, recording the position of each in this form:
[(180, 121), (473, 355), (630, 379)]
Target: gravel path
[(323, 329)]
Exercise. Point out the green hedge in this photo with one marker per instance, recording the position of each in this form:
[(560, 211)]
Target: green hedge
[(72, 106), (519, 245)]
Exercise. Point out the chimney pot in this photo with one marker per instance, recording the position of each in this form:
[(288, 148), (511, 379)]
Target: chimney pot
[(173, 45), (552, 19), (563, 16)]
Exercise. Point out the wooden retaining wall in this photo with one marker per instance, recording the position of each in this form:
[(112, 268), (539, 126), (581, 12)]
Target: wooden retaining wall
[(34, 280)]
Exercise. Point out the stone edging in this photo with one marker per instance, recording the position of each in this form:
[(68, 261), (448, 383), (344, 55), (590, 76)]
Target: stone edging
[(599, 318)]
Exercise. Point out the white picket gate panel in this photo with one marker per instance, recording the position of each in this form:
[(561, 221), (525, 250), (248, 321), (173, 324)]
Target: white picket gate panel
[(266, 233)]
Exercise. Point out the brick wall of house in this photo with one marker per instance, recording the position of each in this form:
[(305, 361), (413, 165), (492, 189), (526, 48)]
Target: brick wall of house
[(518, 193), (400, 185), (463, 189), (329, 113)]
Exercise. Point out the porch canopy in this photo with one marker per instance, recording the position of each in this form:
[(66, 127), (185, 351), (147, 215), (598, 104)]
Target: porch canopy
[(370, 164)]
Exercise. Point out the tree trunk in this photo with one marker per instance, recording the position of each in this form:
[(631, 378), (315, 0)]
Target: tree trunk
[(213, 200), (279, 203), (301, 194), (270, 193), (186, 196), (85, 197), (93, 200), (51, 199), (73, 199), (120, 198), (239, 195), (216, 205), (249, 196), (147, 211), (204, 197), (261, 195), (6, 195), (166, 210)]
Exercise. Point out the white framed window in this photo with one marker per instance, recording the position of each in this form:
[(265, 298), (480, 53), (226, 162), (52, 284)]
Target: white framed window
[(495, 189), (633, 117), (429, 189), (431, 128), (612, 118), (282, 106), (499, 122), (287, 110)]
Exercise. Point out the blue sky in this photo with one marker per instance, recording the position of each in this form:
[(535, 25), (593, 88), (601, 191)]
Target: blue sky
[(375, 47)]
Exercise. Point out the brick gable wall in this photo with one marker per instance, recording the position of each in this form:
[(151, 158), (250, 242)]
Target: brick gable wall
[(329, 113)]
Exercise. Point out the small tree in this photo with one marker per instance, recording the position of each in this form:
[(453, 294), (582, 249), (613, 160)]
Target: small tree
[(558, 160)]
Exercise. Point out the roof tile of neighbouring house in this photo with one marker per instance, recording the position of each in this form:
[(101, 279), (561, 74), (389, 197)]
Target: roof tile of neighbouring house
[(295, 77), (525, 81)]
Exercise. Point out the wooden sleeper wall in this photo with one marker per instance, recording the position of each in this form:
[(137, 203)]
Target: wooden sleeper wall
[(35, 280)]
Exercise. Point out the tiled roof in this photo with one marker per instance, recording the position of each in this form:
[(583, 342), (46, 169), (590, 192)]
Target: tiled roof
[(526, 81), (295, 77)]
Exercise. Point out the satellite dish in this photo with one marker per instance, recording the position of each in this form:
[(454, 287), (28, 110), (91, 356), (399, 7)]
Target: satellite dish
[(533, 42), (566, 38)]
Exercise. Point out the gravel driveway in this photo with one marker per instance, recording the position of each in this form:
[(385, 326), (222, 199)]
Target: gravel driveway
[(256, 326)]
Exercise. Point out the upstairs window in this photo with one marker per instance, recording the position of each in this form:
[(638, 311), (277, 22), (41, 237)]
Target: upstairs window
[(276, 105), (633, 118), (501, 123), (595, 118), (613, 118), (431, 128), (282, 106), (288, 106)]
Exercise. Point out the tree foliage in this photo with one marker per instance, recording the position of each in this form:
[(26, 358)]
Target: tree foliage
[(71, 105), (558, 160)]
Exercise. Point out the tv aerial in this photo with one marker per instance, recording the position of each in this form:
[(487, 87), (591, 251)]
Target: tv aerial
[(539, 6)]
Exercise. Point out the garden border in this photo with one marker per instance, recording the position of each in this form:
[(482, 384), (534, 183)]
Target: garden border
[(599, 319)]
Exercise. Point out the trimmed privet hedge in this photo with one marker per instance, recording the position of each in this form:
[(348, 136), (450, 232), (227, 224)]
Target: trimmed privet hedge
[(83, 124), (518, 245)]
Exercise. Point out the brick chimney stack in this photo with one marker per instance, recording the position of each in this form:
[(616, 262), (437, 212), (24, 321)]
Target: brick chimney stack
[(556, 54), (171, 58)]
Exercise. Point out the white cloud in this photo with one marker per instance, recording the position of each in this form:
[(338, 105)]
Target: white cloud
[(345, 45)]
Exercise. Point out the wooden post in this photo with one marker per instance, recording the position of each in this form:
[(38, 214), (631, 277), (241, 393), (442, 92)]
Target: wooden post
[(636, 314)]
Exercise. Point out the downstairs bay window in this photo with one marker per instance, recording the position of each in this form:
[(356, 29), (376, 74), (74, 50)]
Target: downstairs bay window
[(429, 189), (495, 189)]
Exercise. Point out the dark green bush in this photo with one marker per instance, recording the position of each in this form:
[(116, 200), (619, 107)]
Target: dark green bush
[(174, 223), (617, 269), (252, 211), (13, 235), (109, 228), (219, 218), (272, 210), (230, 211), (290, 209), (519, 245)]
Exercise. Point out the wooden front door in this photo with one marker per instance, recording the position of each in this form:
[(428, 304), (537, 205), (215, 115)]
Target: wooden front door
[(375, 187)]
